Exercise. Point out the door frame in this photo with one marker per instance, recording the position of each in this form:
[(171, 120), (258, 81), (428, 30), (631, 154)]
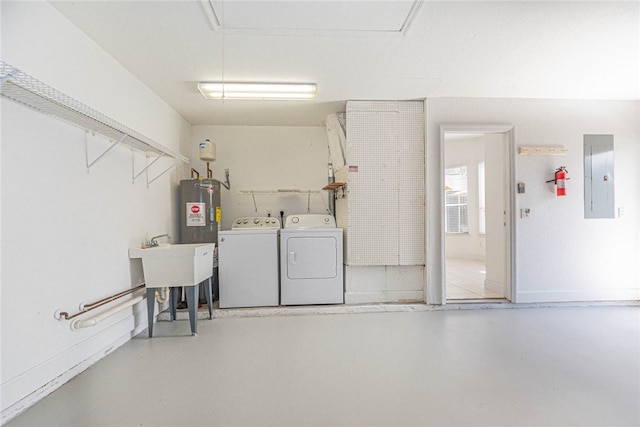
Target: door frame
[(441, 282)]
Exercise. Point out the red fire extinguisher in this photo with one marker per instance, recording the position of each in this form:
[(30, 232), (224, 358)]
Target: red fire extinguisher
[(561, 178)]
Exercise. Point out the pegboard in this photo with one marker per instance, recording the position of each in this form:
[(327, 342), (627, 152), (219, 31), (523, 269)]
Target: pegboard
[(385, 155)]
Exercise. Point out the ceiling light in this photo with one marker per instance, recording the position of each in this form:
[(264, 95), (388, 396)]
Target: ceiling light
[(278, 91)]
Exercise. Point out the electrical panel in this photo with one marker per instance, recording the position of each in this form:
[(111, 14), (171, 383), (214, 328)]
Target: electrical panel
[(599, 189)]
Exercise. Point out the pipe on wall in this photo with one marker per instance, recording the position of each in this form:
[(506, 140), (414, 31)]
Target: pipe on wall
[(94, 320), (63, 315)]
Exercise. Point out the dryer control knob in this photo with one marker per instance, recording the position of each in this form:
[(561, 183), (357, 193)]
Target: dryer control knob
[(256, 221), (295, 219)]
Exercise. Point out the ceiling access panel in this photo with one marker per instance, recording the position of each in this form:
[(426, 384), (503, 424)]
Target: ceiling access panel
[(326, 18)]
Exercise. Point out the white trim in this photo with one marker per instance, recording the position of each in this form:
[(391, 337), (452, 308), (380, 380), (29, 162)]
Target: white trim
[(586, 296), (216, 24), (440, 276)]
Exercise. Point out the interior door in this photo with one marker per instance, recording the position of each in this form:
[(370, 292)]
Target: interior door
[(477, 255)]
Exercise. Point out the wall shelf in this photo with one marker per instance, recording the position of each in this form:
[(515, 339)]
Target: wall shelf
[(334, 186), (280, 192), (26, 90), (542, 151)]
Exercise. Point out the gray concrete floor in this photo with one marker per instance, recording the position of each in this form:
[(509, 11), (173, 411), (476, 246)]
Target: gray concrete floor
[(513, 367)]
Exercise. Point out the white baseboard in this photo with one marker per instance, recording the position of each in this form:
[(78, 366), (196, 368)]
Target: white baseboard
[(575, 296)]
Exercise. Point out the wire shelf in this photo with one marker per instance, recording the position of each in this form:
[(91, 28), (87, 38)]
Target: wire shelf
[(26, 90)]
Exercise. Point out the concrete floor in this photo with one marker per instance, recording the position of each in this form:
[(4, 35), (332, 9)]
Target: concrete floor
[(513, 367)]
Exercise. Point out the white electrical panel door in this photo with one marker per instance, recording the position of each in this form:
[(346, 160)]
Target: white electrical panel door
[(599, 190)]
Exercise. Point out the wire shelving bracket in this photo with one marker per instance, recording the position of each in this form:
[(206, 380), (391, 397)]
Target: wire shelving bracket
[(26, 90), (146, 169)]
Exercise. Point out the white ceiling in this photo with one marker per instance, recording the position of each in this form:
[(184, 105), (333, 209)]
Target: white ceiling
[(373, 49)]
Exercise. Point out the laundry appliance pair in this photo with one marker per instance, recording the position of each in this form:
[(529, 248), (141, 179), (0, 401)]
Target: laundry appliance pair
[(262, 264)]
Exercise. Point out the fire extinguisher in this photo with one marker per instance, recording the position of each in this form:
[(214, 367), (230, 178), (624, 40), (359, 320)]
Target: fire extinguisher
[(560, 179)]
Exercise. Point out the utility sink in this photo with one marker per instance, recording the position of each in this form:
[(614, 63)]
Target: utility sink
[(185, 264)]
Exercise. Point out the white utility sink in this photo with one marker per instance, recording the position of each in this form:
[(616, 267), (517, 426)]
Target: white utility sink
[(175, 265)]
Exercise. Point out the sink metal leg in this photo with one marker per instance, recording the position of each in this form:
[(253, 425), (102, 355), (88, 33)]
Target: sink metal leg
[(192, 302), (207, 292), (151, 305)]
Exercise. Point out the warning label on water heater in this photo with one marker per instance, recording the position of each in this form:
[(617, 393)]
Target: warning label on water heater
[(195, 215)]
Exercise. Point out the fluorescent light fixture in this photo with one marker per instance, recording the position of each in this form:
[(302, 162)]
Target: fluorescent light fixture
[(248, 90)]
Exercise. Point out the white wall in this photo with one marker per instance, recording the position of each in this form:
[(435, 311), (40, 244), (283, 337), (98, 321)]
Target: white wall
[(559, 255), (265, 158), (66, 233)]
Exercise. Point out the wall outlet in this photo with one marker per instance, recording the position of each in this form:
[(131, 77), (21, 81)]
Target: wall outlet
[(525, 213), (620, 212)]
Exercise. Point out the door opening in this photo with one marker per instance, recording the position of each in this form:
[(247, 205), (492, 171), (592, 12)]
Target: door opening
[(476, 215)]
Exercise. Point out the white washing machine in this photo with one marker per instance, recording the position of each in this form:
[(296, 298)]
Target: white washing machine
[(311, 270), (248, 263)]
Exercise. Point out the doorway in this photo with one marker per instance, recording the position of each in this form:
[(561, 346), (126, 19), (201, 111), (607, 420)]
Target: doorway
[(476, 214)]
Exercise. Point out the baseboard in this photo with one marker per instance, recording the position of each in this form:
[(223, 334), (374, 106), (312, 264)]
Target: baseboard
[(574, 296), (71, 362)]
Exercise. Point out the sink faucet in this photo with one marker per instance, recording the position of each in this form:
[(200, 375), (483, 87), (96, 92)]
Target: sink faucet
[(154, 240)]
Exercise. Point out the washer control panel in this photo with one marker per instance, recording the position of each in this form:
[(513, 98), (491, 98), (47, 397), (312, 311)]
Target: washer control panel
[(252, 222), (310, 221)]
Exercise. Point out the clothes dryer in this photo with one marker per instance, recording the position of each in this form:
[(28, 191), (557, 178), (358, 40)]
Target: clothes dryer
[(311, 256), (248, 263)]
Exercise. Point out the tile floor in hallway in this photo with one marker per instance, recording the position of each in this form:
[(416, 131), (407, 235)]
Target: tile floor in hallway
[(494, 367), (465, 280)]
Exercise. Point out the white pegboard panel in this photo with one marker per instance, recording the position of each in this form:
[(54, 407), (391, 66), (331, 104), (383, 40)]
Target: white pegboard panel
[(385, 152), (411, 200)]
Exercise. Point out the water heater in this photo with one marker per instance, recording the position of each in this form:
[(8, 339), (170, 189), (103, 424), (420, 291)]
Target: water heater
[(199, 210), (199, 217)]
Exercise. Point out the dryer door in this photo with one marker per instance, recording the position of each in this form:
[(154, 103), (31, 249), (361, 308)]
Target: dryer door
[(312, 257)]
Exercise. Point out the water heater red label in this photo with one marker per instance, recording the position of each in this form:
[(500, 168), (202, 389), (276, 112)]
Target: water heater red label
[(195, 215)]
